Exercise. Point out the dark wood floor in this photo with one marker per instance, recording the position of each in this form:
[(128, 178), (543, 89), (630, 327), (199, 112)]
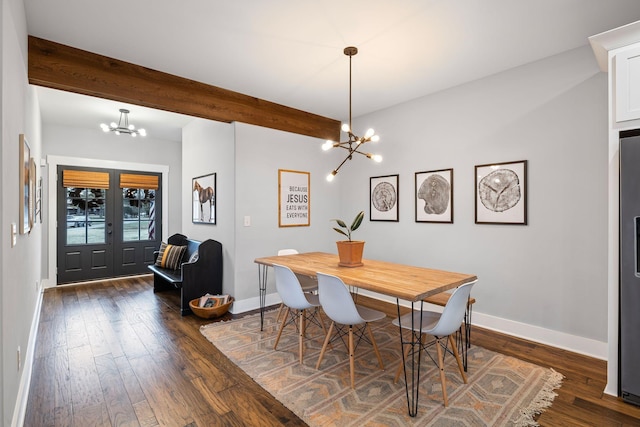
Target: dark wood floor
[(116, 354)]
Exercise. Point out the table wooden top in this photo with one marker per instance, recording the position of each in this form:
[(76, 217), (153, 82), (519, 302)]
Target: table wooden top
[(396, 280)]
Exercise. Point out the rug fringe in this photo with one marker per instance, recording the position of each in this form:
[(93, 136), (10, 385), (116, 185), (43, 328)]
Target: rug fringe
[(543, 400)]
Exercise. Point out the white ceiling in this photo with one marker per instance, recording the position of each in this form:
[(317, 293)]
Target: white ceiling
[(291, 51)]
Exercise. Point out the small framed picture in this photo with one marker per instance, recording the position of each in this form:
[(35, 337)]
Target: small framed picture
[(501, 193), (203, 199), (383, 191), (434, 196), (26, 197)]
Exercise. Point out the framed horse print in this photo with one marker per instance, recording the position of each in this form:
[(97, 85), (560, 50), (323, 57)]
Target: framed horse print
[(203, 199)]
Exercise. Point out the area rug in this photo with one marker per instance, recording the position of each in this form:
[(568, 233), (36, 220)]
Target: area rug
[(501, 390)]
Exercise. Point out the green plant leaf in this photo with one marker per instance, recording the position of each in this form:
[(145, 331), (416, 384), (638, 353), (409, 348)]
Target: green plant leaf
[(357, 221), (340, 223), (340, 231)]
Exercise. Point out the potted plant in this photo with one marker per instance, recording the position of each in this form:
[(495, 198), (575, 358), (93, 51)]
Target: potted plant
[(350, 251)]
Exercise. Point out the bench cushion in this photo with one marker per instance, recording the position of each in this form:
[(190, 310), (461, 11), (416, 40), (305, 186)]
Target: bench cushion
[(170, 256)]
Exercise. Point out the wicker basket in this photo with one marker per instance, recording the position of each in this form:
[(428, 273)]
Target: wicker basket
[(209, 312)]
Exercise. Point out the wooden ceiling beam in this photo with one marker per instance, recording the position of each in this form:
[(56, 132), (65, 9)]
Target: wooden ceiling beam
[(66, 68)]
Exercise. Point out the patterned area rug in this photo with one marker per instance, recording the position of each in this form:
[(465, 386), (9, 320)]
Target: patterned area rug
[(501, 390)]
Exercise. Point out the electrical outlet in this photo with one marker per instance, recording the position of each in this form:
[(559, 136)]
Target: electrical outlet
[(19, 359), (247, 221)]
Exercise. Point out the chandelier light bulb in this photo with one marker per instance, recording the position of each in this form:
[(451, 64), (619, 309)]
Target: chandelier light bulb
[(142, 132), (133, 134), (346, 127), (327, 145), (104, 127), (114, 125), (376, 158), (131, 127), (375, 138), (370, 132), (117, 132), (331, 176)]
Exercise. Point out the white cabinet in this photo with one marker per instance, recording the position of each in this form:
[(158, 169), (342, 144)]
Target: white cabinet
[(627, 84)]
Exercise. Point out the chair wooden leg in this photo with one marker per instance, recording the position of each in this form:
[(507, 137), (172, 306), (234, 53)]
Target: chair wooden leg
[(284, 321), (457, 355), (352, 358), (301, 325), (321, 320), (443, 379), (324, 346), (279, 312), (406, 353), (375, 346)]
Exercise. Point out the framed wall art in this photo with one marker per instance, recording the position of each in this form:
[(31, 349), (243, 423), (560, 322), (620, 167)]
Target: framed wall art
[(501, 193), (25, 197), (434, 196), (383, 191), (203, 190), (32, 192), (294, 198), (38, 212)]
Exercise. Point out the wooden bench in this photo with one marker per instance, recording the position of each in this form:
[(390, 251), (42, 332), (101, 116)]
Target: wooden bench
[(194, 278), (463, 340)]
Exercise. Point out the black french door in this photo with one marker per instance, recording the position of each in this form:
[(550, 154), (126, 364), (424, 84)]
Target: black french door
[(109, 222)]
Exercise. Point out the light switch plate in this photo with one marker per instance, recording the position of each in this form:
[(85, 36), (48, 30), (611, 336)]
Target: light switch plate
[(14, 234), (247, 221)]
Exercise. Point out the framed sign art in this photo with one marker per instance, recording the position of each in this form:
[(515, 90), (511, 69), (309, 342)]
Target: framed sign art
[(501, 193), (294, 198)]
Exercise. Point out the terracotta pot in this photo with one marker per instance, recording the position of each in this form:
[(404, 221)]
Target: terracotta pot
[(350, 253)]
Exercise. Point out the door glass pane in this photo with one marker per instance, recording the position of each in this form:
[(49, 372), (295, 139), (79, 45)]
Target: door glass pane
[(85, 215), (138, 214)]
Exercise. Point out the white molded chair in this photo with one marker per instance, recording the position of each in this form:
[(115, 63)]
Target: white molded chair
[(442, 326), (308, 284), (338, 305), (301, 307)]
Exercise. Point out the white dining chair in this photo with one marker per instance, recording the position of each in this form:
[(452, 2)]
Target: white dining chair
[(441, 326), (301, 307), (338, 306), (308, 284)]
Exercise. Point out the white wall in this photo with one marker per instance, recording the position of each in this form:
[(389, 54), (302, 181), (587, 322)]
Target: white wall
[(246, 160), (20, 276), (550, 274), (208, 147), (260, 152)]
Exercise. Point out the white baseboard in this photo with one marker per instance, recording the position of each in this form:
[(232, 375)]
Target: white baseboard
[(241, 306), (20, 409), (562, 340)]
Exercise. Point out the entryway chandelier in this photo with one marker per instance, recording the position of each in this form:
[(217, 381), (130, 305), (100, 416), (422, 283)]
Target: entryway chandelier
[(353, 144), (123, 126)]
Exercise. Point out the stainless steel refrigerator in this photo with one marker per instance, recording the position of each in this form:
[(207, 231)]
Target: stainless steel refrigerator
[(629, 333)]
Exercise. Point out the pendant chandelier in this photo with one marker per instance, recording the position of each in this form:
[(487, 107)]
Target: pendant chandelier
[(123, 126), (354, 142)]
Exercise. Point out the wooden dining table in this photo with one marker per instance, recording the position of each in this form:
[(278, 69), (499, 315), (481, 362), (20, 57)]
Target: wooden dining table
[(403, 282)]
